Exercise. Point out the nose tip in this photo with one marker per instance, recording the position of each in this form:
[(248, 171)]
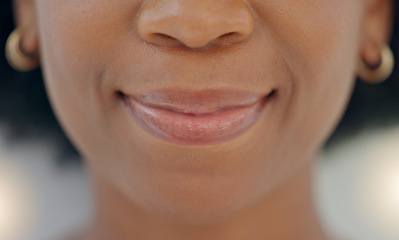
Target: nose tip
[(195, 23)]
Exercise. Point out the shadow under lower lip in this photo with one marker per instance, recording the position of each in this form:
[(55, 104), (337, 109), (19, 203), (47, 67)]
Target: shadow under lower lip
[(185, 129)]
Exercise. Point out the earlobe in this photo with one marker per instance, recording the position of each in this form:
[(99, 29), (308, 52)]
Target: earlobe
[(16, 58), (379, 72), (375, 54), (26, 24)]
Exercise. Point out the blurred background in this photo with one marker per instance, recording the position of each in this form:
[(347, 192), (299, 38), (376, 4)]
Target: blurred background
[(45, 193)]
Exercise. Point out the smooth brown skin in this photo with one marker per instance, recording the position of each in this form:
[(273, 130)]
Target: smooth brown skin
[(256, 186)]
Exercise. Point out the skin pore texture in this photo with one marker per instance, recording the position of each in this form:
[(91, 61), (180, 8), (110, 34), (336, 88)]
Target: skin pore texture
[(303, 54)]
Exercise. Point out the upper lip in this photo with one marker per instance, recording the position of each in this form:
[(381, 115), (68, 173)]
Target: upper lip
[(198, 102)]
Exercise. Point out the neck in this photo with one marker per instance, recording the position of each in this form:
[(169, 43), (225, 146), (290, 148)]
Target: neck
[(286, 213)]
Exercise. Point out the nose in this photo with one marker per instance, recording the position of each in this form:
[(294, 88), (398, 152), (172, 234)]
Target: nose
[(195, 23)]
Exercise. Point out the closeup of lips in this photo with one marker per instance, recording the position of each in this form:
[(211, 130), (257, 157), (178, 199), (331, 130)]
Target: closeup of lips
[(196, 117)]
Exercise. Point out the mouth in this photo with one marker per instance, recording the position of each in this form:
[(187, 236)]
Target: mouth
[(196, 118)]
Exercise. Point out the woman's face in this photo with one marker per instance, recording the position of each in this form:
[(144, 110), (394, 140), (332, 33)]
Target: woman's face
[(297, 58)]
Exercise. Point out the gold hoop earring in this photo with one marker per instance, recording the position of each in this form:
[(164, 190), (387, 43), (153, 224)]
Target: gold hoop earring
[(379, 73), (15, 57)]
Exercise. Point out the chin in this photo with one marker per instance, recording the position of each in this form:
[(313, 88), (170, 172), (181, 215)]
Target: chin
[(197, 202), (197, 212)]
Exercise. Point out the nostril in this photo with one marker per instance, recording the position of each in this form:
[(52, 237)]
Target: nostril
[(163, 39), (196, 24), (230, 38), (231, 34), (161, 35)]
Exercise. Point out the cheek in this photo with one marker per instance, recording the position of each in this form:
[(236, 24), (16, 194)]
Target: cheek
[(319, 42), (78, 39)]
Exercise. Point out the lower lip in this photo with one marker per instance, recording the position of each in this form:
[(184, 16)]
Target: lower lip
[(189, 129)]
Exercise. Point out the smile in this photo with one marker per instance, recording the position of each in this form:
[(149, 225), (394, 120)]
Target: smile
[(196, 118)]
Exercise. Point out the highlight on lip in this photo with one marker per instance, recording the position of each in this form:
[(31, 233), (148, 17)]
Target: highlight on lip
[(196, 118)]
